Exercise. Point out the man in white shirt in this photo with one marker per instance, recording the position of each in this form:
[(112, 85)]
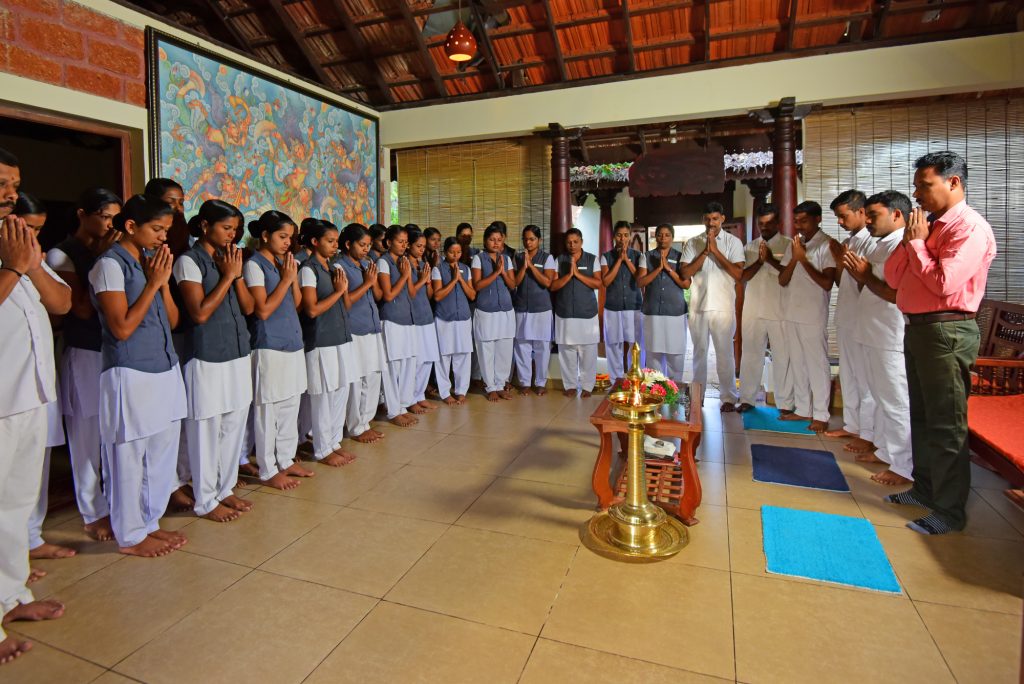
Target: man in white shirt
[(880, 334), (808, 276), (714, 261), (858, 404), (762, 314), (29, 291)]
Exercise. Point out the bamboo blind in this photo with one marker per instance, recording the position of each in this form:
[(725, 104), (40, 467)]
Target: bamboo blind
[(498, 180), (875, 148)]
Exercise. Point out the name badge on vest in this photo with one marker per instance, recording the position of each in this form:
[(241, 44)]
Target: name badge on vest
[(673, 261)]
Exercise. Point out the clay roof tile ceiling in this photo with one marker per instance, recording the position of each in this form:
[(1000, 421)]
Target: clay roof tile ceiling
[(389, 53)]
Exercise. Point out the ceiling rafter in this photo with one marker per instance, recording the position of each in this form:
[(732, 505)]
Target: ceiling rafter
[(553, 31), (707, 30), (794, 6), (489, 56), (627, 25), (421, 46), (359, 43), (218, 13), (299, 39)]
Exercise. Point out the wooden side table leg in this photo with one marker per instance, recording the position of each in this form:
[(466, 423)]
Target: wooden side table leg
[(691, 483), (602, 472)]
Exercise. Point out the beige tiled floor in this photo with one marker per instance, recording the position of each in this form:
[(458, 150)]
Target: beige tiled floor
[(450, 553)]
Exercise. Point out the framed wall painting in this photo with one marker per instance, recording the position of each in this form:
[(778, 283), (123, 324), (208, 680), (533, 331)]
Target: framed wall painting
[(226, 131)]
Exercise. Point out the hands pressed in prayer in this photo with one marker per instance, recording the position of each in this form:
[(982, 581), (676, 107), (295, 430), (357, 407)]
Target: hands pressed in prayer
[(857, 266), (799, 250), (917, 226)]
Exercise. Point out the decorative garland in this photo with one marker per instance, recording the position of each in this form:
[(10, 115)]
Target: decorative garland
[(745, 162), (737, 162)]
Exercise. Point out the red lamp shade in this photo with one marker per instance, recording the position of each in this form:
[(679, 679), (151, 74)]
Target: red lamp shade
[(460, 46)]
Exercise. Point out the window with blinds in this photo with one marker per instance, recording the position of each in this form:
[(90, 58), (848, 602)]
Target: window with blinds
[(874, 149), (498, 180)]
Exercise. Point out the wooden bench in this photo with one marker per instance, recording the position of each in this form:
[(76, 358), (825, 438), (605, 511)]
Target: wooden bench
[(996, 405)]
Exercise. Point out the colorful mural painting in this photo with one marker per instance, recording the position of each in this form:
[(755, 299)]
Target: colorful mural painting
[(223, 131)]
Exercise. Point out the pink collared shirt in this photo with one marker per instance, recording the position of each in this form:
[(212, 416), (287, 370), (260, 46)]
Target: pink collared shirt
[(948, 271)]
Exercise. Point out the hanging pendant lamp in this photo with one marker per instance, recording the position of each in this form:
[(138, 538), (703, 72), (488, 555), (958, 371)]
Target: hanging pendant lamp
[(460, 45)]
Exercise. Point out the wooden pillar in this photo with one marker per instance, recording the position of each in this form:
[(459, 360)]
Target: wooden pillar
[(561, 211), (605, 199), (759, 189), (784, 163)]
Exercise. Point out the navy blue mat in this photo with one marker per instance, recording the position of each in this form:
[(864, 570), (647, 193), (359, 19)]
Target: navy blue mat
[(809, 468)]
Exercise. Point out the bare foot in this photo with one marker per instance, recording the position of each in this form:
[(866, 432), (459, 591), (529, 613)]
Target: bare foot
[(238, 503), (493, 396), (569, 393), (223, 513), (505, 394), (791, 416), (45, 609), (248, 470), (49, 551), (12, 647), (417, 409), (727, 408), (181, 499), (460, 399), (450, 400), (785, 412), (34, 575), (540, 391), (404, 420), (296, 470), (524, 391), (859, 446), (585, 394), (380, 435), (338, 459), (744, 407), (150, 547), (100, 530), (427, 405), (867, 458), (887, 477), (368, 437), (818, 426), (281, 480), (175, 539), (839, 434)]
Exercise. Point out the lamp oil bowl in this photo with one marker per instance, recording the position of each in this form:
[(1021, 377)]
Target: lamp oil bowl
[(635, 529)]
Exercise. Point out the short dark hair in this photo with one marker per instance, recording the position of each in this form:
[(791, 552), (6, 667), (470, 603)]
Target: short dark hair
[(377, 231), (714, 208), (458, 228), (891, 199), (158, 186), (808, 207), (853, 199), (28, 204), (574, 231), (622, 224), (8, 158), (766, 209), (947, 164)]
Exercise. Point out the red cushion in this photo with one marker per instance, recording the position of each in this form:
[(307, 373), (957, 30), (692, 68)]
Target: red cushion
[(996, 422)]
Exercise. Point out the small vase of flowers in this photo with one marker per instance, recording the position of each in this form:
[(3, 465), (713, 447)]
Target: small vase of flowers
[(656, 383)]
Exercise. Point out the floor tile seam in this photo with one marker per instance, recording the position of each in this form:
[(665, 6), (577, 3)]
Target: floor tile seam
[(935, 642), (342, 640), (183, 617), (278, 573), (514, 535), (458, 617), (526, 662), (810, 581), (732, 590), (299, 538), (995, 611), (53, 594), (963, 535), (558, 592), (13, 631), (120, 674)]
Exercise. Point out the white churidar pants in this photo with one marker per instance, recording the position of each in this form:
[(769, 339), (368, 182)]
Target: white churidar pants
[(858, 402), (364, 394), (720, 327), (532, 358), (887, 378), (808, 364), (403, 377), (213, 446), (578, 364), (38, 515), (460, 365), (22, 448), (758, 333), (142, 477), (84, 449), (495, 358), (327, 412), (305, 418), (276, 433), (670, 365)]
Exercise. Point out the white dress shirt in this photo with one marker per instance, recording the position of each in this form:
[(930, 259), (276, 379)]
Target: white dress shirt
[(713, 289)]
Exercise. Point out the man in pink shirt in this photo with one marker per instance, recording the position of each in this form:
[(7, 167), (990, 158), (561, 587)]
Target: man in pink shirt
[(939, 273)]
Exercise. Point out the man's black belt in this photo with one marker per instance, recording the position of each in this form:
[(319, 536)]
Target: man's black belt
[(939, 317)]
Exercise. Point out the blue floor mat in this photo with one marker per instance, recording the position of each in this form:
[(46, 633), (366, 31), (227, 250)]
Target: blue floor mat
[(810, 468), (766, 418), (830, 548)]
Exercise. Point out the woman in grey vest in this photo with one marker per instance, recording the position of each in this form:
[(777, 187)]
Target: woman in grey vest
[(535, 270), (218, 367), (577, 331), (427, 354), (365, 327), (664, 306), (329, 359), (377, 248), (142, 395), (494, 321), (82, 362), (622, 301), (394, 273), (279, 366), (433, 251), (453, 292)]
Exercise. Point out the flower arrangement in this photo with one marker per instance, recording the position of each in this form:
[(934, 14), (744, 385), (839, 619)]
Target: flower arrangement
[(658, 384)]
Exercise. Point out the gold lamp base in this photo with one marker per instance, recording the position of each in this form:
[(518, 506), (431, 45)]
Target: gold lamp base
[(603, 535)]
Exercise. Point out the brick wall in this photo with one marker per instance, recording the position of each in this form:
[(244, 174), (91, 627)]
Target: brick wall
[(66, 44)]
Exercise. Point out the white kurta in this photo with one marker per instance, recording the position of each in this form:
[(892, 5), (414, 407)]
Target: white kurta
[(577, 330)]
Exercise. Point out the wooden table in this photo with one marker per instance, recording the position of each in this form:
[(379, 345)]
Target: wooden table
[(672, 484)]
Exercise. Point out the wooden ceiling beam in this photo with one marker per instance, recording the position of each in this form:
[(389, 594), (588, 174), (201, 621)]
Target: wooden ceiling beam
[(627, 25), (489, 56), (221, 17), (421, 46), (791, 25), (553, 31), (707, 30), (363, 50), (300, 42), (882, 18)]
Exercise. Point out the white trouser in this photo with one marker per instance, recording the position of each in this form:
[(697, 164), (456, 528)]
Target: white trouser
[(532, 360), (423, 379), (616, 353), (887, 378), (22, 447), (305, 420), (38, 515), (327, 412), (84, 447), (758, 333), (213, 444), (578, 364), (720, 327), (142, 477), (393, 403), (184, 470), (459, 364), (495, 358), (808, 364), (670, 365), (858, 402), (403, 375), (248, 441), (362, 403), (275, 430)]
